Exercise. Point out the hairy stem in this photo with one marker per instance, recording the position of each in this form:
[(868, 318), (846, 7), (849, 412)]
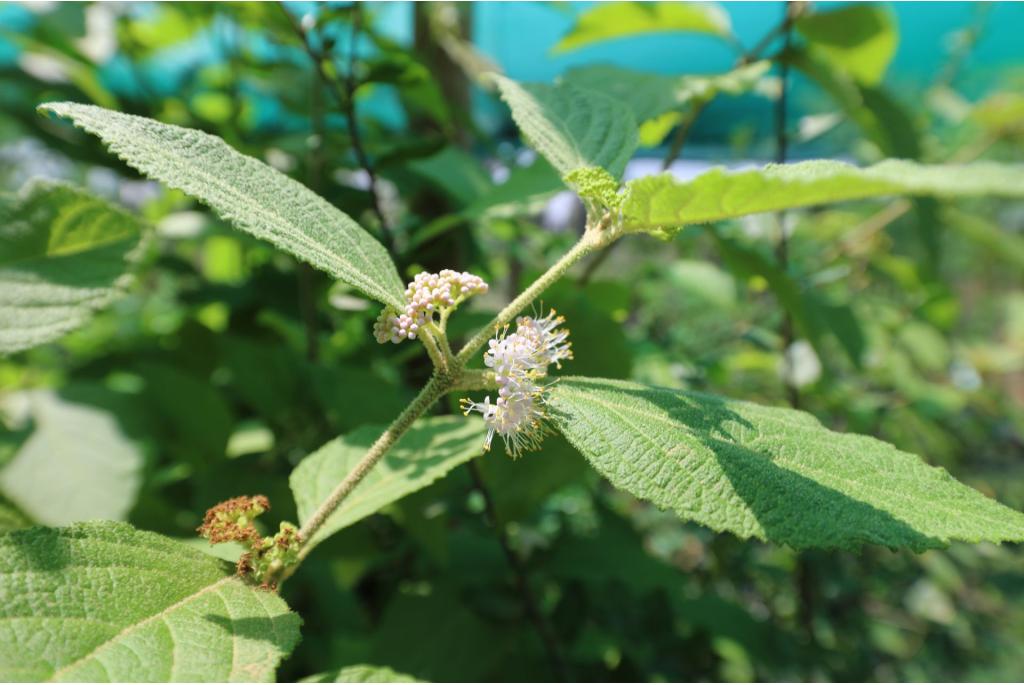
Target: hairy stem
[(593, 238), (431, 392)]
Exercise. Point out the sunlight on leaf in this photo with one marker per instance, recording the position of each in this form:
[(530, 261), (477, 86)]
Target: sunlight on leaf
[(769, 473), (134, 606)]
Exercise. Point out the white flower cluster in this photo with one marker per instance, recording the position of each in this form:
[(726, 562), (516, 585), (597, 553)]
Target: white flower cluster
[(426, 295), (520, 363)]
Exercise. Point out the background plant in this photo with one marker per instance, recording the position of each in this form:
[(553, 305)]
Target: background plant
[(226, 364)]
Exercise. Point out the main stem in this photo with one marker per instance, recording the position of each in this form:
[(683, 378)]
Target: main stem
[(431, 392)]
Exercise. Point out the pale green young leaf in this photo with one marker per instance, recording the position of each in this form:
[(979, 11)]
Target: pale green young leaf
[(76, 465), (64, 254), (102, 601), (610, 20), (770, 473), (362, 673), (662, 204), (572, 127), (859, 40), (429, 450), (594, 183), (251, 195)]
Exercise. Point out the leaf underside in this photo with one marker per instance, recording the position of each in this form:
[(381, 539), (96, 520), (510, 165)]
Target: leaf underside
[(770, 473), (102, 601), (661, 203), (246, 192), (64, 254)]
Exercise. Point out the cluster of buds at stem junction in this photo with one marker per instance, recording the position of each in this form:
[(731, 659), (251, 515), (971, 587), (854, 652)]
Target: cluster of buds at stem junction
[(428, 294), (270, 556), (232, 521), (520, 364)]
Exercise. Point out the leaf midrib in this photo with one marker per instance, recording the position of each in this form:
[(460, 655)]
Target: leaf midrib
[(127, 630), (269, 213), (617, 409)]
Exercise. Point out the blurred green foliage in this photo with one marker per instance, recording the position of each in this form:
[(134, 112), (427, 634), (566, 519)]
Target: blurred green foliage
[(227, 362)]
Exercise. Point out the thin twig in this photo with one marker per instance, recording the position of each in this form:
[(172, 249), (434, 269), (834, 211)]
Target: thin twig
[(346, 100), (781, 149), (354, 132), (545, 633), (430, 393), (803, 577)]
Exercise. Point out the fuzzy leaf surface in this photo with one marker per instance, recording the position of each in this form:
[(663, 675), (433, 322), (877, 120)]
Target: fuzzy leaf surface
[(252, 196), (429, 450), (661, 204), (607, 21), (103, 602), (651, 95), (572, 127), (769, 473), (64, 254)]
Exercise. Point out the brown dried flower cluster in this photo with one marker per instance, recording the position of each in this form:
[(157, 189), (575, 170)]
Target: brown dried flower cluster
[(232, 520)]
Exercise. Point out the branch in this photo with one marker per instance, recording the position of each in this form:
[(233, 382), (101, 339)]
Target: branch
[(346, 100), (781, 148)]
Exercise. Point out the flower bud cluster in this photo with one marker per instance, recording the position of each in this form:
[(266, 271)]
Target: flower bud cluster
[(270, 556), (520, 364), (427, 294), (267, 556)]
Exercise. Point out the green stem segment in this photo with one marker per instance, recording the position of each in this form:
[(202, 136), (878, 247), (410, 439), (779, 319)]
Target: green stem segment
[(592, 239), (431, 392)]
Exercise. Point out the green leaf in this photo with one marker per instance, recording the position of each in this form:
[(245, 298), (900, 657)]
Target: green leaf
[(572, 127), (1000, 243), (64, 254), (859, 40), (102, 601), (77, 465), (429, 450), (661, 204), (814, 317), (362, 673), (881, 117), (251, 195), (769, 473), (606, 21), (652, 95), (11, 517)]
